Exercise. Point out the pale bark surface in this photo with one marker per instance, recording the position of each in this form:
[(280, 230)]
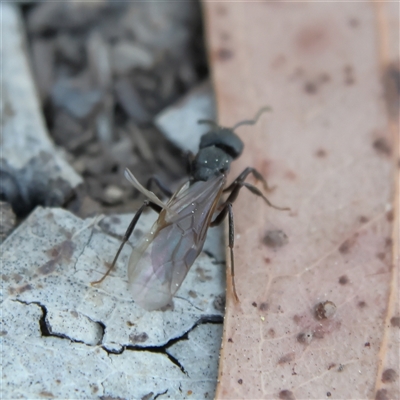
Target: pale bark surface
[(329, 71)]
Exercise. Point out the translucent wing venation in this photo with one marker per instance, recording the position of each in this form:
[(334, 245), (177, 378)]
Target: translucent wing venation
[(159, 263)]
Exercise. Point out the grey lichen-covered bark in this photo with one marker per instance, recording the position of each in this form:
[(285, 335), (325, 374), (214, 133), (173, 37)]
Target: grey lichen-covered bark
[(64, 337)]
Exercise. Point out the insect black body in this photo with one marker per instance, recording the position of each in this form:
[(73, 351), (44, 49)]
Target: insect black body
[(162, 258)]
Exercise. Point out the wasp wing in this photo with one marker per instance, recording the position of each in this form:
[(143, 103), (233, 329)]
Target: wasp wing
[(161, 260)]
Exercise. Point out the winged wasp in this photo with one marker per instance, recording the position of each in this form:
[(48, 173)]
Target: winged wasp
[(162, 258)]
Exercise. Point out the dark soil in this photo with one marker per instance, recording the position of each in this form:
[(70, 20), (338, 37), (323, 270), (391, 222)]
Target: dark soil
[(104, 71)]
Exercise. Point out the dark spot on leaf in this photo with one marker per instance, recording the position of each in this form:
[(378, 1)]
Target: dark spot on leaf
[(254, 304), (380, 256), (310, 87), (297, 319), (395, 321), (344, 280), (286, 395), (219, 303), (224, 54), (328, 394), (230, 340), (382, 146), (341, 368), (389, 375), (330, 366), (362, 304), (130, 324), (347, 245), (354, 22), (382, 394), (287, 358), (271, 332), (325, 310), (367, 344), (192, 294), (324, 77), (267, 260), (5, 278), (275, 238), (305, 337), (240, 381), (390, 216), (74, 314), (388, 242), (139, 338), (363, 219), (3, 333), (264, 306), (320, 153)]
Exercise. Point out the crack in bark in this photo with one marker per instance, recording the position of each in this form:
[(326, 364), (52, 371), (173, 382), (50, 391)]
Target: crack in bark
[(46, 331), (160, 394), (163, 349), (84, 248), (45, 328)]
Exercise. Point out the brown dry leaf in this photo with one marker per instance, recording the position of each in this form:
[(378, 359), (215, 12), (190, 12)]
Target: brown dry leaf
[(318, 316)]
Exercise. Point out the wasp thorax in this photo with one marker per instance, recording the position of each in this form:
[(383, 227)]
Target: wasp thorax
[(209, 162)]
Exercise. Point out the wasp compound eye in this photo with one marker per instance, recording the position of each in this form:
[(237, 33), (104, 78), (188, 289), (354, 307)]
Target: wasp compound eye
[(209, 162), (225, 140)]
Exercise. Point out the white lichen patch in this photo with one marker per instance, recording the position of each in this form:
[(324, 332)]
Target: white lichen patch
[(63, 337)]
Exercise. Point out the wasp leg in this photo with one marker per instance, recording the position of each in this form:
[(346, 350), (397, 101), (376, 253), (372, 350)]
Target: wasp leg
[(243, 176), (127, 235), (227, 210), (238, 184), (231, 243), (257, 192), (161, 185)]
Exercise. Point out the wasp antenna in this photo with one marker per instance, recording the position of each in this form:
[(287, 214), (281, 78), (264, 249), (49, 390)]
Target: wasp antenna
[(209, 122), (137, 185), (252, 121)]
